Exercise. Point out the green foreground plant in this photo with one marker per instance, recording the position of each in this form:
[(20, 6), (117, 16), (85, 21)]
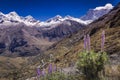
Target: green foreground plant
[(91, 63)]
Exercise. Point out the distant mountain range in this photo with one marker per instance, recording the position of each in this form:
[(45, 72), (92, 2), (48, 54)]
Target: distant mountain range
[(28, 36), (13, 18)]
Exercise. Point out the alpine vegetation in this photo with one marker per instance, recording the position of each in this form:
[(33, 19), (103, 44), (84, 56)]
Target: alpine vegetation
[(50, 68), (87, 43), (38, 72), (102, 41), (92, 63), (51, 74)]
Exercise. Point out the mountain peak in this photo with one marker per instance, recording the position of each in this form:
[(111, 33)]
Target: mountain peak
[(13, 13), (107, 6), (68, 17), (1, 13), (56, 18), (29, 17)]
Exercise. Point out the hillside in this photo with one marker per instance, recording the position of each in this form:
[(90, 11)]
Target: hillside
[(65, 52), (68, 48), (21, 40)]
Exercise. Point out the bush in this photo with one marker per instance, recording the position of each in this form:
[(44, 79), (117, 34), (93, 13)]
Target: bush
[(91, 63)]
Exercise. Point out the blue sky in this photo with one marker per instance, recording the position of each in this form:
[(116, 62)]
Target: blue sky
[(44, 9)]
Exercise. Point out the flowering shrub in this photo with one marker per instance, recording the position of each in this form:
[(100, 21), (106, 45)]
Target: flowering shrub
[(90, 62)]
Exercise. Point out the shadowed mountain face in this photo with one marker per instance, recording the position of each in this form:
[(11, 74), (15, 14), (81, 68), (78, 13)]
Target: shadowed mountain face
[(68, 27), (18, 39), (22, 40)]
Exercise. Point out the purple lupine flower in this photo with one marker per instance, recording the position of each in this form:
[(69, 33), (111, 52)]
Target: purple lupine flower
[(102, 40), (43, 72), (85, 42), (88, 42), (38, 72), (50, 68), (55, 68)]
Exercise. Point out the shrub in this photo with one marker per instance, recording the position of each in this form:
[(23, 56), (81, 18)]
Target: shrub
[(91, 63)]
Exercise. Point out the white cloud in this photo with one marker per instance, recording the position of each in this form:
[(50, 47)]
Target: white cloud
[(107, 6)]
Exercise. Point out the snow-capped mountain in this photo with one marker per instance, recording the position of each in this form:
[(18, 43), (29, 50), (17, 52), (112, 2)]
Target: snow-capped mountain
[(94, 14), (25, 34), (29, 18), (13, 18), (57, 20), (91, 15)]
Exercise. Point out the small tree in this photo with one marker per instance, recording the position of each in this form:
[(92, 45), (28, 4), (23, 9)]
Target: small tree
[(90, 62)]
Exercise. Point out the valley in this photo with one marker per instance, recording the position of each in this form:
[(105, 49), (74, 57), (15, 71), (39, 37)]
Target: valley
[(25, 42)]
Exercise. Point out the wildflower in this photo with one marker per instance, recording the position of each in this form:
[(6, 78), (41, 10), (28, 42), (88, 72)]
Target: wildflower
[(88, 42), (50, 68), (55, 68), (85, 42), (102, 41), (38, 72), (43, 72)]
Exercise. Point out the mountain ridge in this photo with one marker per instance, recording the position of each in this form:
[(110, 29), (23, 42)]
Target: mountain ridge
[(13, 17), (22, 39)]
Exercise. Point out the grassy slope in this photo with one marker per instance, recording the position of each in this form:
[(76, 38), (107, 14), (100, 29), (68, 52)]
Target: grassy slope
[(68, 49), (8, 66)]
